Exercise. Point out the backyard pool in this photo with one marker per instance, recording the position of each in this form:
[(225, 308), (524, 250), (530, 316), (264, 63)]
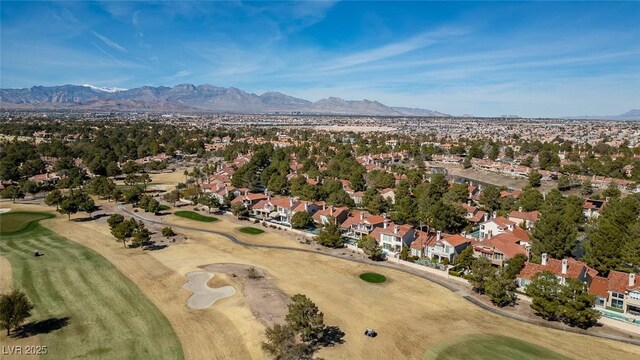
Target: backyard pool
[(617, 316)]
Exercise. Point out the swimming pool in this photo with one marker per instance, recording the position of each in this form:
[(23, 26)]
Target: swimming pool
[(617, 316)]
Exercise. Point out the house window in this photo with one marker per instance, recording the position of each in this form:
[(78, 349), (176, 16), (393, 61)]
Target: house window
[(599, 301), (616, 295), (618, 304)]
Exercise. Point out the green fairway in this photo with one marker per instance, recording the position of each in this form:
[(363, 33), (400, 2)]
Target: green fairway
[(13, 223), (250, 230), (84, 306), (373, 277), (490, 347), (194, 216)]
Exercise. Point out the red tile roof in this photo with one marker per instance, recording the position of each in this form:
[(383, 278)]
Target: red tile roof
[(618, 281), (525, 215), (599, 286), (574, 268)]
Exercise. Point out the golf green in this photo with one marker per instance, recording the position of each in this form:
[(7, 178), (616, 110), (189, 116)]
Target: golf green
[(373, 277), (250, 230), (13, 223), (192, 215), (490, 347)]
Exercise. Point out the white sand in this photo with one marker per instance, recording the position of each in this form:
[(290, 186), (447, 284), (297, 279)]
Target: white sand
[(4, 210), (204, 296)]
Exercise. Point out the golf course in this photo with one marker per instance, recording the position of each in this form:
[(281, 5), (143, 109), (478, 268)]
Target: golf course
[(114, 301), (83, 306)]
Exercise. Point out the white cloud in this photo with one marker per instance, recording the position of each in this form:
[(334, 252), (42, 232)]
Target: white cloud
[(109, 42)]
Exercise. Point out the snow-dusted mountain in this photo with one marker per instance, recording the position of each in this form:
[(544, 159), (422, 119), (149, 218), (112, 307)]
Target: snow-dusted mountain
[(188, 97), (104, 89)]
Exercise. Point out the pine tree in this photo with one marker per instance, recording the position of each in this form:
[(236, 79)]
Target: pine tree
[(554, 235)]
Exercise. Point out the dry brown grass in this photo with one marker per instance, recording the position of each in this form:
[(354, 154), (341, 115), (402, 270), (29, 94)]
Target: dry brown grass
[(410, 314)]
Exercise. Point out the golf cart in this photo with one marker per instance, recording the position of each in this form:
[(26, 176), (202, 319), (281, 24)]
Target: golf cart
[(370, 333)]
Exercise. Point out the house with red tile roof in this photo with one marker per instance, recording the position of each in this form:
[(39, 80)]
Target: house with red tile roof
[(591, 209), (389, 194), (473, 214), (338, 214), (619, 291), (360, 223), (501, 248), (249, 199), (48, 178), (356, 196), (528, 218), (392, 237), (563, 269), (281, 209), (438, 245), (496, 226)]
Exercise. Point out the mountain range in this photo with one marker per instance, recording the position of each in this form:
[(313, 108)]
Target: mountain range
[(189, 98), (633, 114)]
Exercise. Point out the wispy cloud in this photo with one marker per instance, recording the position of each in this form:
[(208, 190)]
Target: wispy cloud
[(398, 48), (107, 53), (112, 44)]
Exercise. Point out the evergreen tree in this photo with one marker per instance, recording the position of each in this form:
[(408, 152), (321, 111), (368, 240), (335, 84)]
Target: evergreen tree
[(371, 248), (500, 288), (554, 235), (535, 178), (305, 318), (301, 220), (613, 241), (330, 235), (577, 305), (481, 272), (544, 290), (54, 197)]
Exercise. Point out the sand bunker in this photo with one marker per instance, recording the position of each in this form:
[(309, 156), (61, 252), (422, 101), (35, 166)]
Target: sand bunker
[(204, 296), (4, 210)]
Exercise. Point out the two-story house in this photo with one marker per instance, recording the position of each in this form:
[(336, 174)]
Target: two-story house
[(338, 214), (437, 245), (392, 237), (361, 223), (496, 226), (563, 269), (619, 291), (528, 218), (473, 214), (500, 248), (281, 209), (249, 199)]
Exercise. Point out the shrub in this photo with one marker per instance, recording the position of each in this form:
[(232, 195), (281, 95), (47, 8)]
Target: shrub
[(168, 231), (252, 273)]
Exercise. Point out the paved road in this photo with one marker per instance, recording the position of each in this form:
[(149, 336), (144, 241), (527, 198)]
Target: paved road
[(456, 288)]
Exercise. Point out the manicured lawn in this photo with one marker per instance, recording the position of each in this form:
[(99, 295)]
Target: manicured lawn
[(250, 230), (373, 277), (490, 347), (13, 223), (84, 306), (195, 216)]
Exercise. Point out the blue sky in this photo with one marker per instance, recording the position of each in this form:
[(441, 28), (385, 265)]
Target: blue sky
[(481, 58)]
